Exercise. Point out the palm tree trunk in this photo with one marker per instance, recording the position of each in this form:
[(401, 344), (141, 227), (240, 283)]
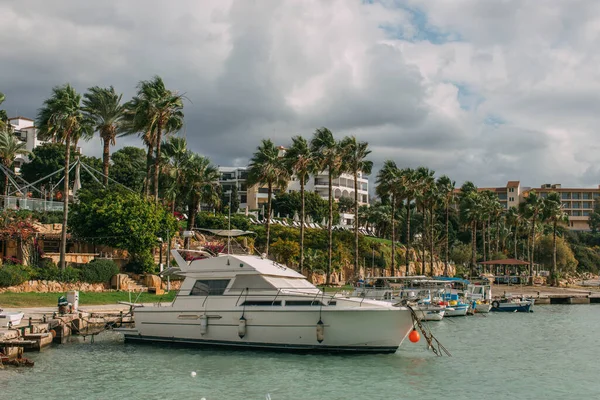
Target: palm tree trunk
[(473, 245), (423, 233), (553, 273), (497, 234), (515, 239), (532, 251), (431, 226), (192, 211), (447, 255), (393, 270), (63, 233), (356, 227), (407, 236), (329, 230), (489, 234), (6, 186), (105, 159), (148, 170), (483, 237), (269, 195), (157, 160), (302, 225)]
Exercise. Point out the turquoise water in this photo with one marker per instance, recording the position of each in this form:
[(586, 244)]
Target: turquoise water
[(550, 354)]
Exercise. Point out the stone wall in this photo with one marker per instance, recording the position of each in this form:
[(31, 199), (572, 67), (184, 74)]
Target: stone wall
[(55, 287)]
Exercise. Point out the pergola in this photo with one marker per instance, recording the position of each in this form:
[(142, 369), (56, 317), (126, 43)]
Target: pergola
[(509, 264)]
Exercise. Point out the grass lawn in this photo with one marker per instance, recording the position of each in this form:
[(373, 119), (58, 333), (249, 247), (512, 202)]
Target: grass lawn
[(378, 240), (13, 300)]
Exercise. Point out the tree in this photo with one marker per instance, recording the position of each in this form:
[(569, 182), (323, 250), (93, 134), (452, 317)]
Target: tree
[(470, 210), (129, 167), (103, 107), (62, 119), (354, 154), (407, 189), (556, 251), (267, 168), (199, 183), (155, 111), (425, 196), (446, 190), (285, 251), (10, 147), (345, 205), (554, 213), (3, 117), (176, 158), (315, 206), (328, 158), (594, 219), (534, 208), (514, 218), (121, 219), (388, 185), (300, 162)]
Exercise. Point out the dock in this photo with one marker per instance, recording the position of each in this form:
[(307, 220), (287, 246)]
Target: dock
[(545, 295), (35, 334)]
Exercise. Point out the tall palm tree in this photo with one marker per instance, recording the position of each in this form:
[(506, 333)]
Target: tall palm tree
[(62, 119), (329, 158), (407, 188), (446, 189), (159, 111), (514, 218), (534, 208), (10, 147), (300, 162), (199, 183), (354, 154), (470, 201), (388, 185), (103, 106), (268, 168), (554, 213), (424, 196), (3, 117), (176, 158)]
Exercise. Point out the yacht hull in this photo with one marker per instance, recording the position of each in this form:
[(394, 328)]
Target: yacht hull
[(348, 330)]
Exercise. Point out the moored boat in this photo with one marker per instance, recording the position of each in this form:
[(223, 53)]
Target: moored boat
[(243, 301), (8, 319), (510, 304)]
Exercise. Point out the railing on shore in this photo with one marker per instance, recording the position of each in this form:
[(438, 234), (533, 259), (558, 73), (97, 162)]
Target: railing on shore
[(31, 204)]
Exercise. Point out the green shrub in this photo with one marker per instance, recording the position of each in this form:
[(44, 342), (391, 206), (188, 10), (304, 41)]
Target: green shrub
[(140, 263), (69, 274), (98, 271), (12, 275)]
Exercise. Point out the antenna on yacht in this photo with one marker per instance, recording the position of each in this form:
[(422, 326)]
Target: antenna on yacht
[(229, 229)]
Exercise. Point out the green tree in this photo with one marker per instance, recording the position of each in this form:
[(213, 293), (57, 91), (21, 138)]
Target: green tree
[(554, 213), (129, 167), (120, 219), (389, 185), (103, 107), (563, 256), (533, 210), (317, 208), (176, 158), (328, 158), (446, 190), (594, 219), (407, 189), (285, 251), (267, 168), (10, 147), (354, 154), (300, 161), (61, 119), (3, 117), (155, 111)]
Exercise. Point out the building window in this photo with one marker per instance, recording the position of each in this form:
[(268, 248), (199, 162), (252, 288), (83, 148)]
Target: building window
[(213, 287), (587, 204), (565, 195), (586, 213), (576, 204), (577, 213), (576, 196), (511, 190), (566, 204), (243, 198), (587, 196)]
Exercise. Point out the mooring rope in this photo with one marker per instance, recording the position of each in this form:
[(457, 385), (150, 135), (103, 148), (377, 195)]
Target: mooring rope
[(436, 347)]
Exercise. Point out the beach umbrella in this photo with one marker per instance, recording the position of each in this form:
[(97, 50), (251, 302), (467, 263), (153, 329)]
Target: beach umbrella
[(296, 218)]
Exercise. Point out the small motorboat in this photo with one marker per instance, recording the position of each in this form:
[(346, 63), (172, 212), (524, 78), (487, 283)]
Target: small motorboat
[(481, 297), (458, 310), (9, 319), (430, 312), (513, 304)]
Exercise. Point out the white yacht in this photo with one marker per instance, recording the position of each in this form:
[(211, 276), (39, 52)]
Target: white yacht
[(250, 301)]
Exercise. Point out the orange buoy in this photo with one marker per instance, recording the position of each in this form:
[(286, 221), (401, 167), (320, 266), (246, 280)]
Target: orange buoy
[(414, 336)]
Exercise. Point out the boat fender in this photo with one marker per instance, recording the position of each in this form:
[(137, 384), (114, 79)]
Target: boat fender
[(495, 304), (320, 331), (203, 324), (242, 327)]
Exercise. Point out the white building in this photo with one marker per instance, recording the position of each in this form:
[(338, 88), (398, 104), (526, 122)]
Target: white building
[(342, 187), (235, 176), (25, 131)]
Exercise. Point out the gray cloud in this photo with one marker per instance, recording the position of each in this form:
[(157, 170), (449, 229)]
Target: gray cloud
[(276, 69)]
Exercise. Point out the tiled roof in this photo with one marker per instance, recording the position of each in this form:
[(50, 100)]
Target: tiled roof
[(513, 184)]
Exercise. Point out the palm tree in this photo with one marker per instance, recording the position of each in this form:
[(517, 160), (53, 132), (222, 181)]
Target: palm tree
[(534, 208), (300, 161), (10, 147), (407, 189), (514, 218), (446, 189), (327, 153), (176, 158), (199, 183), (354, 154), (156, 111), (267, 168), (470, 201), (425, 196), (62, 119), (554, 213), (3, 117), (103, 106), (388, 185)]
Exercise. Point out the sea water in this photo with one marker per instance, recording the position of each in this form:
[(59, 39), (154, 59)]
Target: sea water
[(549, 354)]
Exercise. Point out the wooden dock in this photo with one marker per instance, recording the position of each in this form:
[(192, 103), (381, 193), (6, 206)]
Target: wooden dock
[(35, 335)]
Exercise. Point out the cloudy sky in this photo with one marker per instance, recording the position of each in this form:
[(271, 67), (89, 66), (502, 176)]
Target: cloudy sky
[(487, 91)]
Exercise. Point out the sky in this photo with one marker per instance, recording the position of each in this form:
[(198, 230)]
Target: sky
[(487, 91)]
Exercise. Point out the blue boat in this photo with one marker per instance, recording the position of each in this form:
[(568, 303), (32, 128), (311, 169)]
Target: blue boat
[(513, 305)]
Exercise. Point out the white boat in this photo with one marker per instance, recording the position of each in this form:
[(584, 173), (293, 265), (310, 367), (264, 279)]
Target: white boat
[(244, 301), (429, 312), (481, 296), (8, 319), (459, 310)]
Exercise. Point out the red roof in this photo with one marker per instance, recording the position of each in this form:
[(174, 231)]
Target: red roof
[(513, 184), (508, 261)]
